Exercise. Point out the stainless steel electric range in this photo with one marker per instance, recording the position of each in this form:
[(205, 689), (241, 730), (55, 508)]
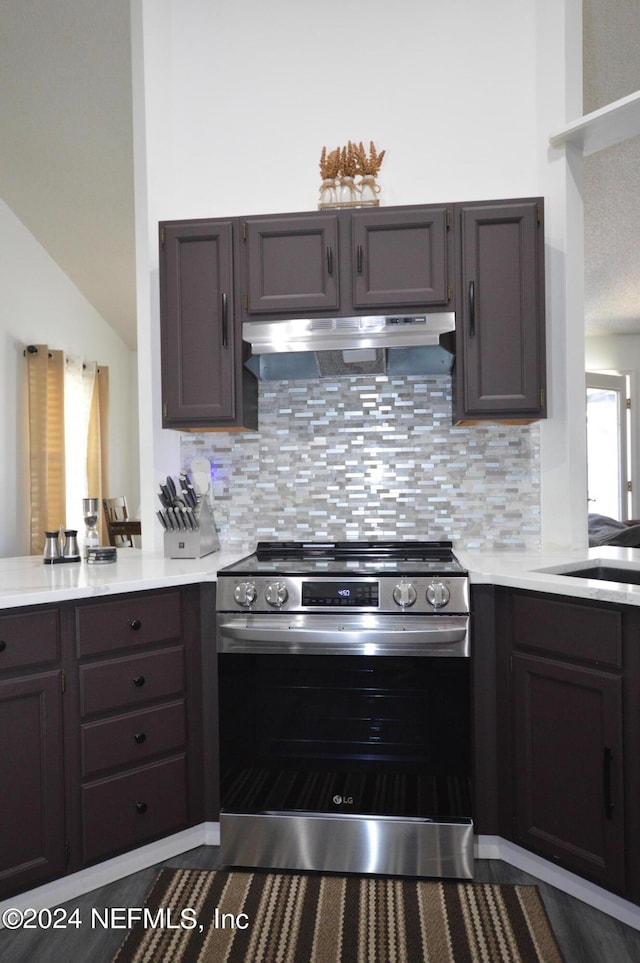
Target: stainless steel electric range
[(345, 709)]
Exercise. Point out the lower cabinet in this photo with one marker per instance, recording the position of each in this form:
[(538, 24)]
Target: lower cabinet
[(133, 807), (32, 833), (101, 717), (138, 707), (568, 766), (564, 687), (32, 836)]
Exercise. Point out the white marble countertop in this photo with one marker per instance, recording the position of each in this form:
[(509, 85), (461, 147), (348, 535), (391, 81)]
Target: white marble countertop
[(27, 581), (540, 572)]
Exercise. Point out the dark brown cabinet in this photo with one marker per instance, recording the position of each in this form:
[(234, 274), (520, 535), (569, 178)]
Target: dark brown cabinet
[(400, 258), (346, 263), (138, 706), (32, 829), (292, 264), (205, 384), (484, 260), (103, 738), (569, 767), (564, 672), (500, 340)]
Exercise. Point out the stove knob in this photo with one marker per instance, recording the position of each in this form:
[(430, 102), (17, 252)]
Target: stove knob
[(438, 594), (276, 594), (245, 594), (404, 594)]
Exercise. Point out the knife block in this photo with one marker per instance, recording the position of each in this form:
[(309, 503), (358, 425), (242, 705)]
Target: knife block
[(194, 544)]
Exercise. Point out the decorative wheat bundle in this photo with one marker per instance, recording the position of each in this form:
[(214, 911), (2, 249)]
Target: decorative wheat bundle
[(345, 163), (368, 164)]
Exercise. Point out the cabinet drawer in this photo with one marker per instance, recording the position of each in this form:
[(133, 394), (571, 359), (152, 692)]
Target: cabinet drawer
[(126, 811), (132, 739), (28, 638), (582, 632), (131, 681), (129, 621)]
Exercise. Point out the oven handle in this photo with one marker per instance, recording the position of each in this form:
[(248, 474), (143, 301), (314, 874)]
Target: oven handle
[(279, 636)]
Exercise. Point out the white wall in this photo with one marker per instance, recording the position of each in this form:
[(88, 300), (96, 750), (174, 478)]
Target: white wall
[(39, 304), (234, 103)]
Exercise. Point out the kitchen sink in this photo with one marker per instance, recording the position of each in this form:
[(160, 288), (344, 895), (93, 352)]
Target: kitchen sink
[(604, 573)]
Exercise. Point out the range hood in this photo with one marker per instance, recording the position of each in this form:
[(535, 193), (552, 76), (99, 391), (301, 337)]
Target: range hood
[(335, 347)]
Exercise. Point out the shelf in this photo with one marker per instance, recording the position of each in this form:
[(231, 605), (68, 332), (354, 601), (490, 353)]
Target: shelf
[(602, 128)]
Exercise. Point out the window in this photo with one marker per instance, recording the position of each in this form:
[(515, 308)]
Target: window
[(68, 439)]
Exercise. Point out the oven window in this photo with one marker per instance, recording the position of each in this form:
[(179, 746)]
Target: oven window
[(368, 735)]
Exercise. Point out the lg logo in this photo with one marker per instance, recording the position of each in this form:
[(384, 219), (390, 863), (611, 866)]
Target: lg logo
[(343, 800)]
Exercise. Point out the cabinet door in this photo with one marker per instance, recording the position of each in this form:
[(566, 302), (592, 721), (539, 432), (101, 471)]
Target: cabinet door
[(500, 318), (32, 834), (400, 258), (568, 766), (291, 264), (198, 345)]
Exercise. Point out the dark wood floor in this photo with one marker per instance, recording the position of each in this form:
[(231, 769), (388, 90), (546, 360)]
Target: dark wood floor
[(584, 934)]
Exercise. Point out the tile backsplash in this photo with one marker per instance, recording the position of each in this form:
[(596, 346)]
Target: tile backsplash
[(372, 457)]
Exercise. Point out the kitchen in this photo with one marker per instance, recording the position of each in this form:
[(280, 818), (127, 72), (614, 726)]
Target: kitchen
[(508, 159)]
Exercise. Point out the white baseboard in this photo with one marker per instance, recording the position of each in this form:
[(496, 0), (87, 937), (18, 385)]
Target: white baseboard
[(77, 884), (208, 834), (494, 847)]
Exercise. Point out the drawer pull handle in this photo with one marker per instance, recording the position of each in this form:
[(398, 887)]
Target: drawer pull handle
[(140, 737), (3, 645), (135, 624), (139, 681), (141, 807)]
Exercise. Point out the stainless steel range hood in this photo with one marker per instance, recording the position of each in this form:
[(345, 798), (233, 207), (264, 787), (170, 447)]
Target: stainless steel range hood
[(335, 347)]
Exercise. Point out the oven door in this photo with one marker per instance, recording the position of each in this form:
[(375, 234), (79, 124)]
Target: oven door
[(321, 716)]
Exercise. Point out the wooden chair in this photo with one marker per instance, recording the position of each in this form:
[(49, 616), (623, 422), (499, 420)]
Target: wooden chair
[(120, 527)]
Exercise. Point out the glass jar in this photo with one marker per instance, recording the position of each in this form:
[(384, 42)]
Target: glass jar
[(327, 192), (348, 191), (369, 189)]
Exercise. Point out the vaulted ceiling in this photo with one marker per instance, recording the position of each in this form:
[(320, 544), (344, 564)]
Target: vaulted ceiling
[(66, 155)]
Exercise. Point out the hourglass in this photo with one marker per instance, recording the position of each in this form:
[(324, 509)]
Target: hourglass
[(90, 509)]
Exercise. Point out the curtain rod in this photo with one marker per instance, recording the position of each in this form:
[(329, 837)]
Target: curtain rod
[(32, 349)]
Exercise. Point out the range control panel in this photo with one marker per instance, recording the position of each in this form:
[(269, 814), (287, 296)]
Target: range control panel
[(447, 594)]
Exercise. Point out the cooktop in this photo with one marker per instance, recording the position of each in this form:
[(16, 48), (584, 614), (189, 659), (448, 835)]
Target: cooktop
[(361, 557)]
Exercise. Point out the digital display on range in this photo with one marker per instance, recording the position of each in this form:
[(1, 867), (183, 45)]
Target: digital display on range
[(343, 594)]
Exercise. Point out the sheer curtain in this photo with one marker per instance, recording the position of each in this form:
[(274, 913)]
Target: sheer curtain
[(68, 439)]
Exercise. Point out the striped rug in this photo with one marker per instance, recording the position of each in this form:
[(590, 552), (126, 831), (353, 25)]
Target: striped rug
[(245, 917)]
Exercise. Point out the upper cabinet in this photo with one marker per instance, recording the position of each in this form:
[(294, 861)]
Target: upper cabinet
[(204, 382), (291, 264), (345, 263), (484, 260), (500, 343), (400, 257)]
